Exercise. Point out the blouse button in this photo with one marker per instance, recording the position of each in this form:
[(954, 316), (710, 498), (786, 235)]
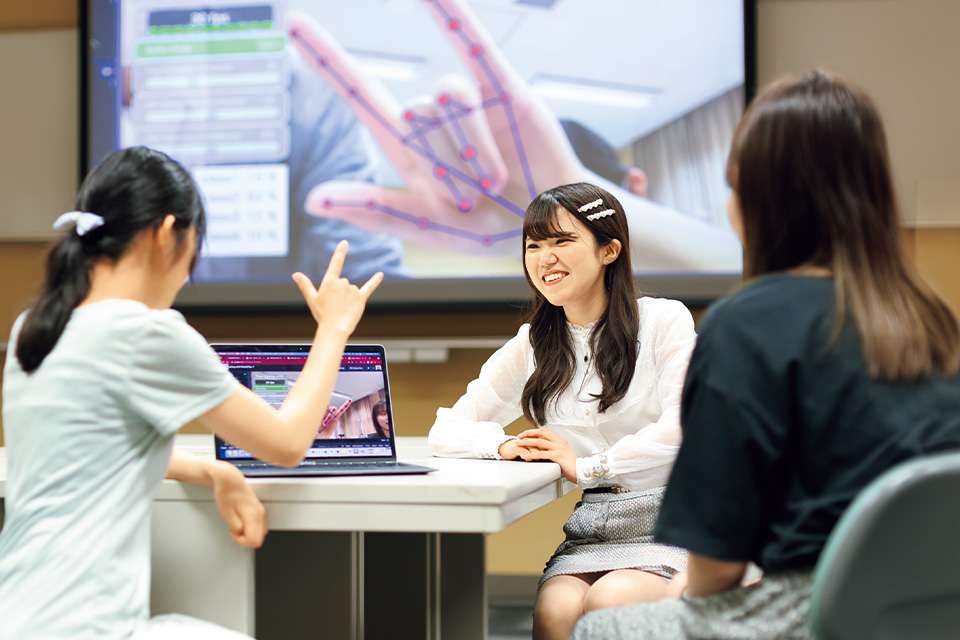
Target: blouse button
[(587, 412)]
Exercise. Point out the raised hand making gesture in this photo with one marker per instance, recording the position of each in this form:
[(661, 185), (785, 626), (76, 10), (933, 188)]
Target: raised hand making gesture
[(474, 155), (336, 303)]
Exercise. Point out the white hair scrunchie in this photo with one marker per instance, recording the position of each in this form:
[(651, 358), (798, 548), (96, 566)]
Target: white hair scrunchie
[(85, 222)]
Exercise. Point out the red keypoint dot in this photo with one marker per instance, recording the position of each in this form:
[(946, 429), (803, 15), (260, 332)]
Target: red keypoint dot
[(464, 205), (440, 172), (454, 25), (443, 99), (487, 241), (371, 204), (327, 204), (408, 115), (505, 97), (476, 51), (468, 152), (486, 183), (423, 223)]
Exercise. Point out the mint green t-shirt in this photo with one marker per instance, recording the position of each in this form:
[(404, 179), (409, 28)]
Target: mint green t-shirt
[(88, 437)]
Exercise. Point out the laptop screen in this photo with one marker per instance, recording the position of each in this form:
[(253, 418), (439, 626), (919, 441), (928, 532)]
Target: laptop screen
[(359, 420)]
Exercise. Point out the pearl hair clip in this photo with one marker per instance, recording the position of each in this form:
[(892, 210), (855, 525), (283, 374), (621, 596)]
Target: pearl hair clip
[(591, 205), (600, 214), (85, 222)]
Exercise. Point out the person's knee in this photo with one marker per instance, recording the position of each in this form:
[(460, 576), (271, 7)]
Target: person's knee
[(557, 607), (558, 604), (621, 588)]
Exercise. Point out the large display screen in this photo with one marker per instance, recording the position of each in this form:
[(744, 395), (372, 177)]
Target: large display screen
[(420, 130)]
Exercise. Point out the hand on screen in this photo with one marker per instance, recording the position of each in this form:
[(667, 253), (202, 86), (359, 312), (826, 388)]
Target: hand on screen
[(475, 154), (336, 303)]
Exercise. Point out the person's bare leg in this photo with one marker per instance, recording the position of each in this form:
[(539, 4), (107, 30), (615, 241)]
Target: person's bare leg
[(623, 587), (559, 605)]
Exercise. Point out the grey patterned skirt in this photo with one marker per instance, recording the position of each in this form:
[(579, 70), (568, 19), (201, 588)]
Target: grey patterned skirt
[(610, 531)]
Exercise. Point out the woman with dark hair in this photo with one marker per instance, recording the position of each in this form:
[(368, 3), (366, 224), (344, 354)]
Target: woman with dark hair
[(100, 375), (381, 420), (600, 374), (833, 364)]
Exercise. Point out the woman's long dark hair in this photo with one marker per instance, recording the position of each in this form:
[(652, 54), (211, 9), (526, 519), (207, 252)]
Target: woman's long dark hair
[(810, 168), (613, 340), (378, 408), (132, 190)]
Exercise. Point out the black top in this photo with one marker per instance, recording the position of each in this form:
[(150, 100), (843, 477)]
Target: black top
[(782, 428)]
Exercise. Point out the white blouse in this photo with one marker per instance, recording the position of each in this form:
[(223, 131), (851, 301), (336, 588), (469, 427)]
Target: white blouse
[(640, 434)]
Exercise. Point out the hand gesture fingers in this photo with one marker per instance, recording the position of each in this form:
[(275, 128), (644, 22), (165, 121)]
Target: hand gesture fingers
[(469, 143), (335, 268), (336, 301), (416, 215), (372, 103), (368, 287), (472, 157), (477, 50)]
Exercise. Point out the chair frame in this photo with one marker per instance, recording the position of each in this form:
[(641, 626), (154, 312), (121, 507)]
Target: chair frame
[(891, 567)]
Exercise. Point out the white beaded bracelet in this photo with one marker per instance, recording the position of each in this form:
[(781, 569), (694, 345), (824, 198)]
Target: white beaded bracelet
[(600, 467)]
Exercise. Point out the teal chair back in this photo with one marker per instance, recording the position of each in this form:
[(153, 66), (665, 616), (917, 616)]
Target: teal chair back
[(891, 568)]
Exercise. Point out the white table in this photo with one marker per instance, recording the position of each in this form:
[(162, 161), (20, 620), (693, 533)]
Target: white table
[(347, 557)]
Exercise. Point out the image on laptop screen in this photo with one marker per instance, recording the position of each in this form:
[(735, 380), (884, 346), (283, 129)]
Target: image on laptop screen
[(358, 423)]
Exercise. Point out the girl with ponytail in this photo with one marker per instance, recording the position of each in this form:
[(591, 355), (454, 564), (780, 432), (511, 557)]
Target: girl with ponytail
[(599, 373), (100, 375)]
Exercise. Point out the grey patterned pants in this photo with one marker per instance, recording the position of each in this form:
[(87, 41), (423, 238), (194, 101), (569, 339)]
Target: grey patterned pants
[(775, 608)]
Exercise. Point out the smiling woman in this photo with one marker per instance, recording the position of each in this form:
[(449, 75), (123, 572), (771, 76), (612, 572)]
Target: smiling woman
[(568, 269), (594, 366)]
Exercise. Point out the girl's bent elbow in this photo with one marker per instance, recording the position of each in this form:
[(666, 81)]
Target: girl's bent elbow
[(288, 458), (290, 463)]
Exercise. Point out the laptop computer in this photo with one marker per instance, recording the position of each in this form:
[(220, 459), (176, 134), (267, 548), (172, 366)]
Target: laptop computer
[(355, 437)]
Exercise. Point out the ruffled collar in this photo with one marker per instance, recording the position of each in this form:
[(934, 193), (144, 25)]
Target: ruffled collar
[(582, 332)]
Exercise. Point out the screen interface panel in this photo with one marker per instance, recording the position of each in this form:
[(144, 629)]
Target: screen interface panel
[(358, 421)]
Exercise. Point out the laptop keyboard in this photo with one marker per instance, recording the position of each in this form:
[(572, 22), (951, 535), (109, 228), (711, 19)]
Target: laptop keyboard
[(317, 464)]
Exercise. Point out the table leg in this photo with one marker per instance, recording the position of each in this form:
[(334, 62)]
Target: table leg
[(430, 586), (356, 586), (463, 586), (309, 585)]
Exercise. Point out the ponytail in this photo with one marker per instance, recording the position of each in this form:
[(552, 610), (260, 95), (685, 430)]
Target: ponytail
[(132, 190), (67, 284)]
